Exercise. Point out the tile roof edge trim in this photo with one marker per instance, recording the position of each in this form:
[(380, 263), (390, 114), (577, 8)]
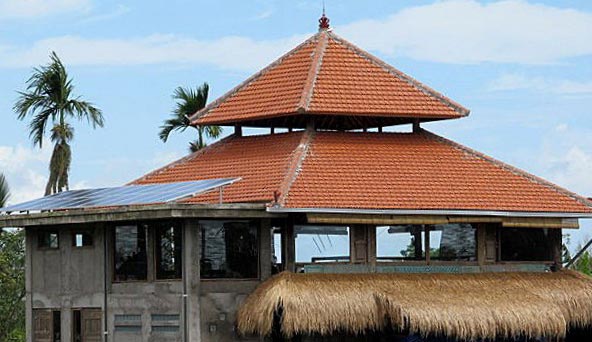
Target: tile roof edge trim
[(457, 107), (179, 161), (295, 166), (205, 111), (581, 199), (313, 73), (439, 212)]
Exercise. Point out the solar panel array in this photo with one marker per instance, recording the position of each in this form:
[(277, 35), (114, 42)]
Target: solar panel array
[(120, 196)]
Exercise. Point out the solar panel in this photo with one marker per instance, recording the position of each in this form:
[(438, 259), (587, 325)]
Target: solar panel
[(120, 196)]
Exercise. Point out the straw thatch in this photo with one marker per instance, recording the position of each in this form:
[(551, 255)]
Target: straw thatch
[(463, 306)]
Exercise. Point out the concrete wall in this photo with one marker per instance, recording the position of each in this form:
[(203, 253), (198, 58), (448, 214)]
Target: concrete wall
[(73, 278), (66, 278)]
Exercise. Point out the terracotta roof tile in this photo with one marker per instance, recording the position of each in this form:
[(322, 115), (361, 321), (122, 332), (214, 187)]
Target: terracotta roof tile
[(353, 170), (261, 161), (329, 76), (418, 171)]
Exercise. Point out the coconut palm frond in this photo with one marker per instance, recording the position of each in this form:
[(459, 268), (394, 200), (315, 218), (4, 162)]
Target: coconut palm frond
[(49, 99), (4, 191), (188, 102)]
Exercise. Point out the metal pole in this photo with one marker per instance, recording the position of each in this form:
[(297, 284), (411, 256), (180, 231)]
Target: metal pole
[(579, 254)]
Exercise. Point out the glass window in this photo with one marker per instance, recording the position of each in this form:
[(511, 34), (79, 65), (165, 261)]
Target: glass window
[(82, 239), (48, 239), (229, 249), (130, 253), (453, 242), (321, 244), (525, 244), (168, 251), (276, 250), (397, 243)]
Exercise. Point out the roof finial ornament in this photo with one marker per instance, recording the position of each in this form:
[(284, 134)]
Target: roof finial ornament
[(323, 21)]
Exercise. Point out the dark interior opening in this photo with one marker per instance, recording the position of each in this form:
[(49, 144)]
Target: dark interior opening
[(77, 326), (57, 326), (525, 244)]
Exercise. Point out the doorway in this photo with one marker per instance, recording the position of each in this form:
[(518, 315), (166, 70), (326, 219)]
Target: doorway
[(86, 325)]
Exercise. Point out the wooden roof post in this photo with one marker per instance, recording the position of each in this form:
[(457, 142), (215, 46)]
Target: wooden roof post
[(416, 126), (238, 130)]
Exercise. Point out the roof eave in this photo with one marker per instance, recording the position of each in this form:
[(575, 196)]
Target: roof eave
[(442, 212)]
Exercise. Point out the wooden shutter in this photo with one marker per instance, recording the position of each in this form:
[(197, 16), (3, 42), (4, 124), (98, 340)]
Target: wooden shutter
[(42, 326), (91, 325)]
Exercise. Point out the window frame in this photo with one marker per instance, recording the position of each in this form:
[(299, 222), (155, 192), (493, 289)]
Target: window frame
[(426, 245), (300, 264), (255, 222), (153, 233), (40, 234), (82, 231), (113, 251)]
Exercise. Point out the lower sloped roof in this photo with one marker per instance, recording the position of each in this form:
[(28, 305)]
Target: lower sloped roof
[(355, 170), (464, 306)]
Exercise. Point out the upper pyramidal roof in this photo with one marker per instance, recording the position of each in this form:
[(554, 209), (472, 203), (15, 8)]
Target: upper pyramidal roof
[(338, 84)]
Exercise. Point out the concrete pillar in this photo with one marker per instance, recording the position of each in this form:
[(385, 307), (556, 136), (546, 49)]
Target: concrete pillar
[(191, 279), (265, 240), (29, 238)]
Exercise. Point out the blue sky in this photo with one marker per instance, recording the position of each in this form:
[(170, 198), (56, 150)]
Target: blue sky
[(523, 68)]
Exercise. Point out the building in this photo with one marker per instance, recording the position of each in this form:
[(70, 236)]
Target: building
[(326, 228)]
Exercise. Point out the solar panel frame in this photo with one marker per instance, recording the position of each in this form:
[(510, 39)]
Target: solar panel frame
[(120, 196)]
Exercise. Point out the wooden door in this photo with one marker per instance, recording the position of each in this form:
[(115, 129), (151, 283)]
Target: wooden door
[(42, 325), (91, 320)]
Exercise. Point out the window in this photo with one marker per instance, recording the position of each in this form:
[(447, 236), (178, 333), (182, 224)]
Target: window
[(168, 251), (398, 243), (316, 244), (48, 239), (130, 253), (229, 249), (276, 251), (128, 323), (453, 242), (82, 239), (165, 323), (525, 244)]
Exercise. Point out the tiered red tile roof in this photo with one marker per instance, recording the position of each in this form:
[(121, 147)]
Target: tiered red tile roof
[(328, 76), (318, 169), (354, 170)]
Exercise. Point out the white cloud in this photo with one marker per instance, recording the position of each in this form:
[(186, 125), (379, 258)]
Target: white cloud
[(466, 31), (25, 169), (509, 82), (457, 31), (39, 8), (119, 10), (233, 52)]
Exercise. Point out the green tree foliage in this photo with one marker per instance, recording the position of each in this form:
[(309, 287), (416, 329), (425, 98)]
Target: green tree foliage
[(4, 191), (12, 285), (49, 99), (188, 102), (584, 264)]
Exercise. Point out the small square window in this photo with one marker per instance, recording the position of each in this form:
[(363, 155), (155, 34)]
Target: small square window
[(82, 239), (48, 239)]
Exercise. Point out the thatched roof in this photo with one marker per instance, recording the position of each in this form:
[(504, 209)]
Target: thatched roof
[(464, 306)]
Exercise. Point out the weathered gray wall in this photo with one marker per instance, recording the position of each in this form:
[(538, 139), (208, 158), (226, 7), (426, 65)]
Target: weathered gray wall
[(70, 278), (65, 278)]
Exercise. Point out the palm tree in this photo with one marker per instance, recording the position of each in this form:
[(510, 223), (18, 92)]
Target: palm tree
[(189, 101), (4, 191), (49, 99)]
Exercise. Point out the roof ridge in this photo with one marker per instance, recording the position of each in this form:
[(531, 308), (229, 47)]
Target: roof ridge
[(295, 165), (457, 107), (182, 160), (204, 111), (313, 73), (513, 169)]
